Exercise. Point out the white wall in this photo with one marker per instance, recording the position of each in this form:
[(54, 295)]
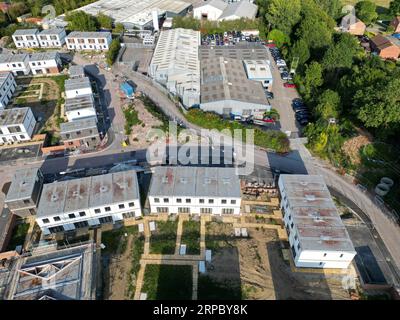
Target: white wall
[(16, 67), (236, 106), (212, 12), (81, 113), (7, 90), (195, 205), (25, 42), (89, 46), (115, 212), (42, 65)]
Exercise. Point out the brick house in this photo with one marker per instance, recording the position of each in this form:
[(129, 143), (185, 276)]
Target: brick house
[(384, 47)]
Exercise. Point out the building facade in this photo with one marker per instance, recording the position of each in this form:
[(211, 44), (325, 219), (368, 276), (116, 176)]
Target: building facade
[(77, 40), (78, 87), (317, 235), (195, 190), (52, 38), (16, 125), (80, 134), (24, 193), (18, 64), (45, 63), (26, 38), (7, 88), (88, 202)]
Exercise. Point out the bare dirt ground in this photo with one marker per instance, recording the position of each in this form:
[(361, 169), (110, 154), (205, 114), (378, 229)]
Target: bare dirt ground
[(352, 146), (44, 108), (139, 133), (117, 275), (257, 264)]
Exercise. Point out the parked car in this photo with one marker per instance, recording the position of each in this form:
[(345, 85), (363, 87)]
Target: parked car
[(280, 63), (303, 122), (289, 85), (269, 94), (285, 76)]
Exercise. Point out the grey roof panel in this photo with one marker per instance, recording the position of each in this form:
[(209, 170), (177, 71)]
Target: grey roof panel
[(22, 184)]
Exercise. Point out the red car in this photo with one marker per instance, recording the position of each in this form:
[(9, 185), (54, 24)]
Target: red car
[(269, 120), (271, 45), (289, 85)]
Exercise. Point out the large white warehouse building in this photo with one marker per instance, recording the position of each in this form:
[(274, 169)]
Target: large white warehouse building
[(175, 64), (317, 235), (195, 190)]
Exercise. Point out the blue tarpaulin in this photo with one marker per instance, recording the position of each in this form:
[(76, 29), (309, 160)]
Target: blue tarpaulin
[(127, 89)]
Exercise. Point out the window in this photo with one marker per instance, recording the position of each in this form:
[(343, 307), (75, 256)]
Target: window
[(166, 200), (57, 219), (21, 136), (227, 211), (341, 255), (71, 216), (201, 200), (205, 210), (233, 201), (324, 254), (82, 214), (179, 200), (105, 220), (34, 63), (210, 200), (56, 229), (162, 209), (291, 226), (131, 204), (298, 246), (46, 220), (188, 200), (107, 209), (183, 210), (223, 201), (128, 215), (81, 224), (320, 263), (26, 201), (156, 200), (121, 206), (97, 210)]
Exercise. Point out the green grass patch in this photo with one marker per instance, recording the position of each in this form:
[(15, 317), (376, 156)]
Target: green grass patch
[(137, 251), (132, 119), (156, 112), (270, 139), (191, 236), (18, 236), (168, 282), (163, 241), (115, 240), (210, 289)]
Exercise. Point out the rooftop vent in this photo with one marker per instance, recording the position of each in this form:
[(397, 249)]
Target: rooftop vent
[(103, 189), (303, 183), (183, 180), (207, 180), (54, 197), (226, 180), (23, 183), (310, 197), (164, 180)]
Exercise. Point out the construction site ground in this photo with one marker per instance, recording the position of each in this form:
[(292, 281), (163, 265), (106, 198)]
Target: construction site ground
[(256, 267)]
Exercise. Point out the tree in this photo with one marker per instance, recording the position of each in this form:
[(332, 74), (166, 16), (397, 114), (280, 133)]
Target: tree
[(328, 105), (283, 14), (119, 28), (81, 21), (112, 53), (394, 8), (105, 22), (331, 7), (300, 50), (278, 37), (379, 104), (366, 11), (312, 79), (17, 9)]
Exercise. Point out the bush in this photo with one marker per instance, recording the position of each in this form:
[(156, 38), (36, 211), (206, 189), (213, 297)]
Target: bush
[(112, 53), (131, 118)]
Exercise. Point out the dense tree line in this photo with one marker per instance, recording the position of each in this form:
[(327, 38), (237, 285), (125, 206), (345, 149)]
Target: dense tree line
[(335, 77)]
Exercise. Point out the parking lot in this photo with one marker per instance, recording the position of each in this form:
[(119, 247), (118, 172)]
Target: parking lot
[(230, 38)]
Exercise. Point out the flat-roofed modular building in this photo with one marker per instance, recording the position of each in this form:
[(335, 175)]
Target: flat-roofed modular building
[(17, 124), (226, 90), (137, 13), (18, 64), (317, 235), (45, 62), (7, 88), (80, 134), (88, 202), (175, 64), (80, 107), (24, 192), (240, 51), (76, 71), (52, 38), (259, 70), (51, 273), (79, 40), (26, 38), (78, 87), (195, 190)]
